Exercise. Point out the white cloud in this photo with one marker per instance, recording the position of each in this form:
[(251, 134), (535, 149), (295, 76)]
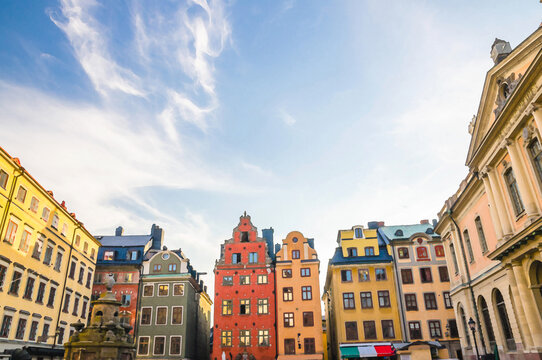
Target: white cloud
[(287, 118)]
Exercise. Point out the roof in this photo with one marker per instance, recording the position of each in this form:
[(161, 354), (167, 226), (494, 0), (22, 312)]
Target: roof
[(391, 233), (338, 257), (124, 240)]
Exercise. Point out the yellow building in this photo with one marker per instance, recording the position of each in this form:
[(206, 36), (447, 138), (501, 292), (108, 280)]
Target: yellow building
[(360, 296), (492, 226), (299, 312), (47, 262)]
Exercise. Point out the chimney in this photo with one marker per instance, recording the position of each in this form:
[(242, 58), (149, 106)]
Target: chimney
[(157, 237), (499, 50), (435, 222), (119, 231), (424, 222), (375, 224)]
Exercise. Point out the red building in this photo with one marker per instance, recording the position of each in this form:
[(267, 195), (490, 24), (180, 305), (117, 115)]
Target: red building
[(245, 296)]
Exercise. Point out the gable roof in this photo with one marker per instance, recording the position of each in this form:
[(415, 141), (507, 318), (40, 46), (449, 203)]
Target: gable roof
[(124, 240)]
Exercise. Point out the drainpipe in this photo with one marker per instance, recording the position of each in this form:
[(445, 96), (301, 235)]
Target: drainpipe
[(10, 199), (469, 282)]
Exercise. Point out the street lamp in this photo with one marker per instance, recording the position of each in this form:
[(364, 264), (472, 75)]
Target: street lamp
[(472, 325)]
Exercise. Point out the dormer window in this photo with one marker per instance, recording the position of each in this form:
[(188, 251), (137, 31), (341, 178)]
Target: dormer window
[(244, 236), (358, 232), (399, 232), (429, 231)]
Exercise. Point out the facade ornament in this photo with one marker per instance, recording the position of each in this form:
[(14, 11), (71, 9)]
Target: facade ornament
[(471, 124), (506, 88)]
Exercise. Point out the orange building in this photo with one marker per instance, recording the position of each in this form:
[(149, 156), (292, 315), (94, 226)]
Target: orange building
[(299, 312)]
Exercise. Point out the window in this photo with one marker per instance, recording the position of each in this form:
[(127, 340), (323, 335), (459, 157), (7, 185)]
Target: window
[(403, 253), (161, 315), (38, 247), (178, 289), (309, 345), (308, 318), (439, 251), (45, 330), (33, 331), (15, 282), (244, 306), (75, 306), (84, 309), (358, 233), (351, 330), (29, 288), (535, 152), (434, 329), (346, 275), (11, 232), (244, 280), (25, 241), (159, 345), (244, 337), (226, 337), (305, 272), (425, 275), (369, 251), (109, 255), (66, 307), (21, 327), (454, 333), (172, 267), (51, 299), (73, 266), (430, 301), (227, 280), (289, 319), (6, 326), (287, 294), (289, 346), (3, 271), (244, 236), (227, 307), (295, 254), (54, 223), (387, 329), (253, 258), (163, 290), (505, 323), (406, 276), (352, 251), (146, 315), (287, 273), (176, 315), (262, 279), (126, 299), (34, 203), (366, 300), (92, 253), (263, 337), (454, 258), (363, 275), (514, 191), (443, 273), (348, 300), (175, 345), (306, 292), (21, 194), (41, 293), (481, 236), (48, 254), (447, 300), (45, 214), (415, 330), (411, 302), (157, 268), (236, 258), (466, 237), (487, 322), (421, 253), (263, 306), (3, 179), (64, 229), (128, 277), (384, 298), (380, 274), (369, 329)]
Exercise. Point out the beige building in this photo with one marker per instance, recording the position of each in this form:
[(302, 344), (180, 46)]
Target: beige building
[(47, 262), (492, 225)]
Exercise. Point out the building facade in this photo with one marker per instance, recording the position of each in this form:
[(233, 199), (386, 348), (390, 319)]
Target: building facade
[(122, 255), (47, 263), (491, 226), (244, 305), (299, 320), (360, 298), (423, 284), (169, 323)]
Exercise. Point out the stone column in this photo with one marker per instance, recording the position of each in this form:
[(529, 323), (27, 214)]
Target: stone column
[(526, 193), (532, 315), (499, 202), (520, 313), (492, 206)]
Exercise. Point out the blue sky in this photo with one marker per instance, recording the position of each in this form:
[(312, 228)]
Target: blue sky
[(310, 115)]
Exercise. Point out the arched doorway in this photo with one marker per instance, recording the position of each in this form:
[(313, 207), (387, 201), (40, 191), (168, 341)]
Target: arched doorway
[(486, 319), (504, 321), (535, 277), (463, 319)]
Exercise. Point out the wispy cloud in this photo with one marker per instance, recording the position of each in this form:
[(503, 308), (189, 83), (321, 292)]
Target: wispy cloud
[(287, 118)]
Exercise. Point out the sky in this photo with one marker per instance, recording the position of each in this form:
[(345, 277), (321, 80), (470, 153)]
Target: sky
[(309, 115)]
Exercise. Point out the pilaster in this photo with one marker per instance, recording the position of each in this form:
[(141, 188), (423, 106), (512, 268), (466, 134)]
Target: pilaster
[(527, 302), (521, 320), (501, 205), (492, 206)]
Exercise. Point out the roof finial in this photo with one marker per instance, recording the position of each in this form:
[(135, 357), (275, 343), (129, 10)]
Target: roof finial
[(245, 213)]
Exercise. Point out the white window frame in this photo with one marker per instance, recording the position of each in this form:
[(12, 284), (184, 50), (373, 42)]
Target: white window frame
[(266, 279), (182, 284), (156, 317), (182, 316), (139, 341), (47, 211), (34, 204), (141, 318), (25, 194), (154, 343), (16, 221), (180, 345), (158, 292)]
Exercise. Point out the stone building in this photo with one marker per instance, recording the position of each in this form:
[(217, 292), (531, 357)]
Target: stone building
[(492, 226)]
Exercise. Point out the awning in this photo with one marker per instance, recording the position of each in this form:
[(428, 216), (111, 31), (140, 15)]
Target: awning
[(359, 351)]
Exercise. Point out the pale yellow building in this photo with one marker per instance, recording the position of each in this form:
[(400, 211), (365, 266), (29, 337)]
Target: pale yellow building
[(47, 262)]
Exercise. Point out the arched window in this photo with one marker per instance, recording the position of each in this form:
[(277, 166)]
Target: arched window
[(466, 238), (429, 231), (513, 190), (505, 323), (399, 232), (421, 252), (454, 258), (535, 151), (358, 233), (488, 327), (481, 236), (465, 326)]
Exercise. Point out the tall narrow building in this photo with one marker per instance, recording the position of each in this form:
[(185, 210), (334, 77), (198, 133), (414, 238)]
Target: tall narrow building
[(244, 312), (299, 312)]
